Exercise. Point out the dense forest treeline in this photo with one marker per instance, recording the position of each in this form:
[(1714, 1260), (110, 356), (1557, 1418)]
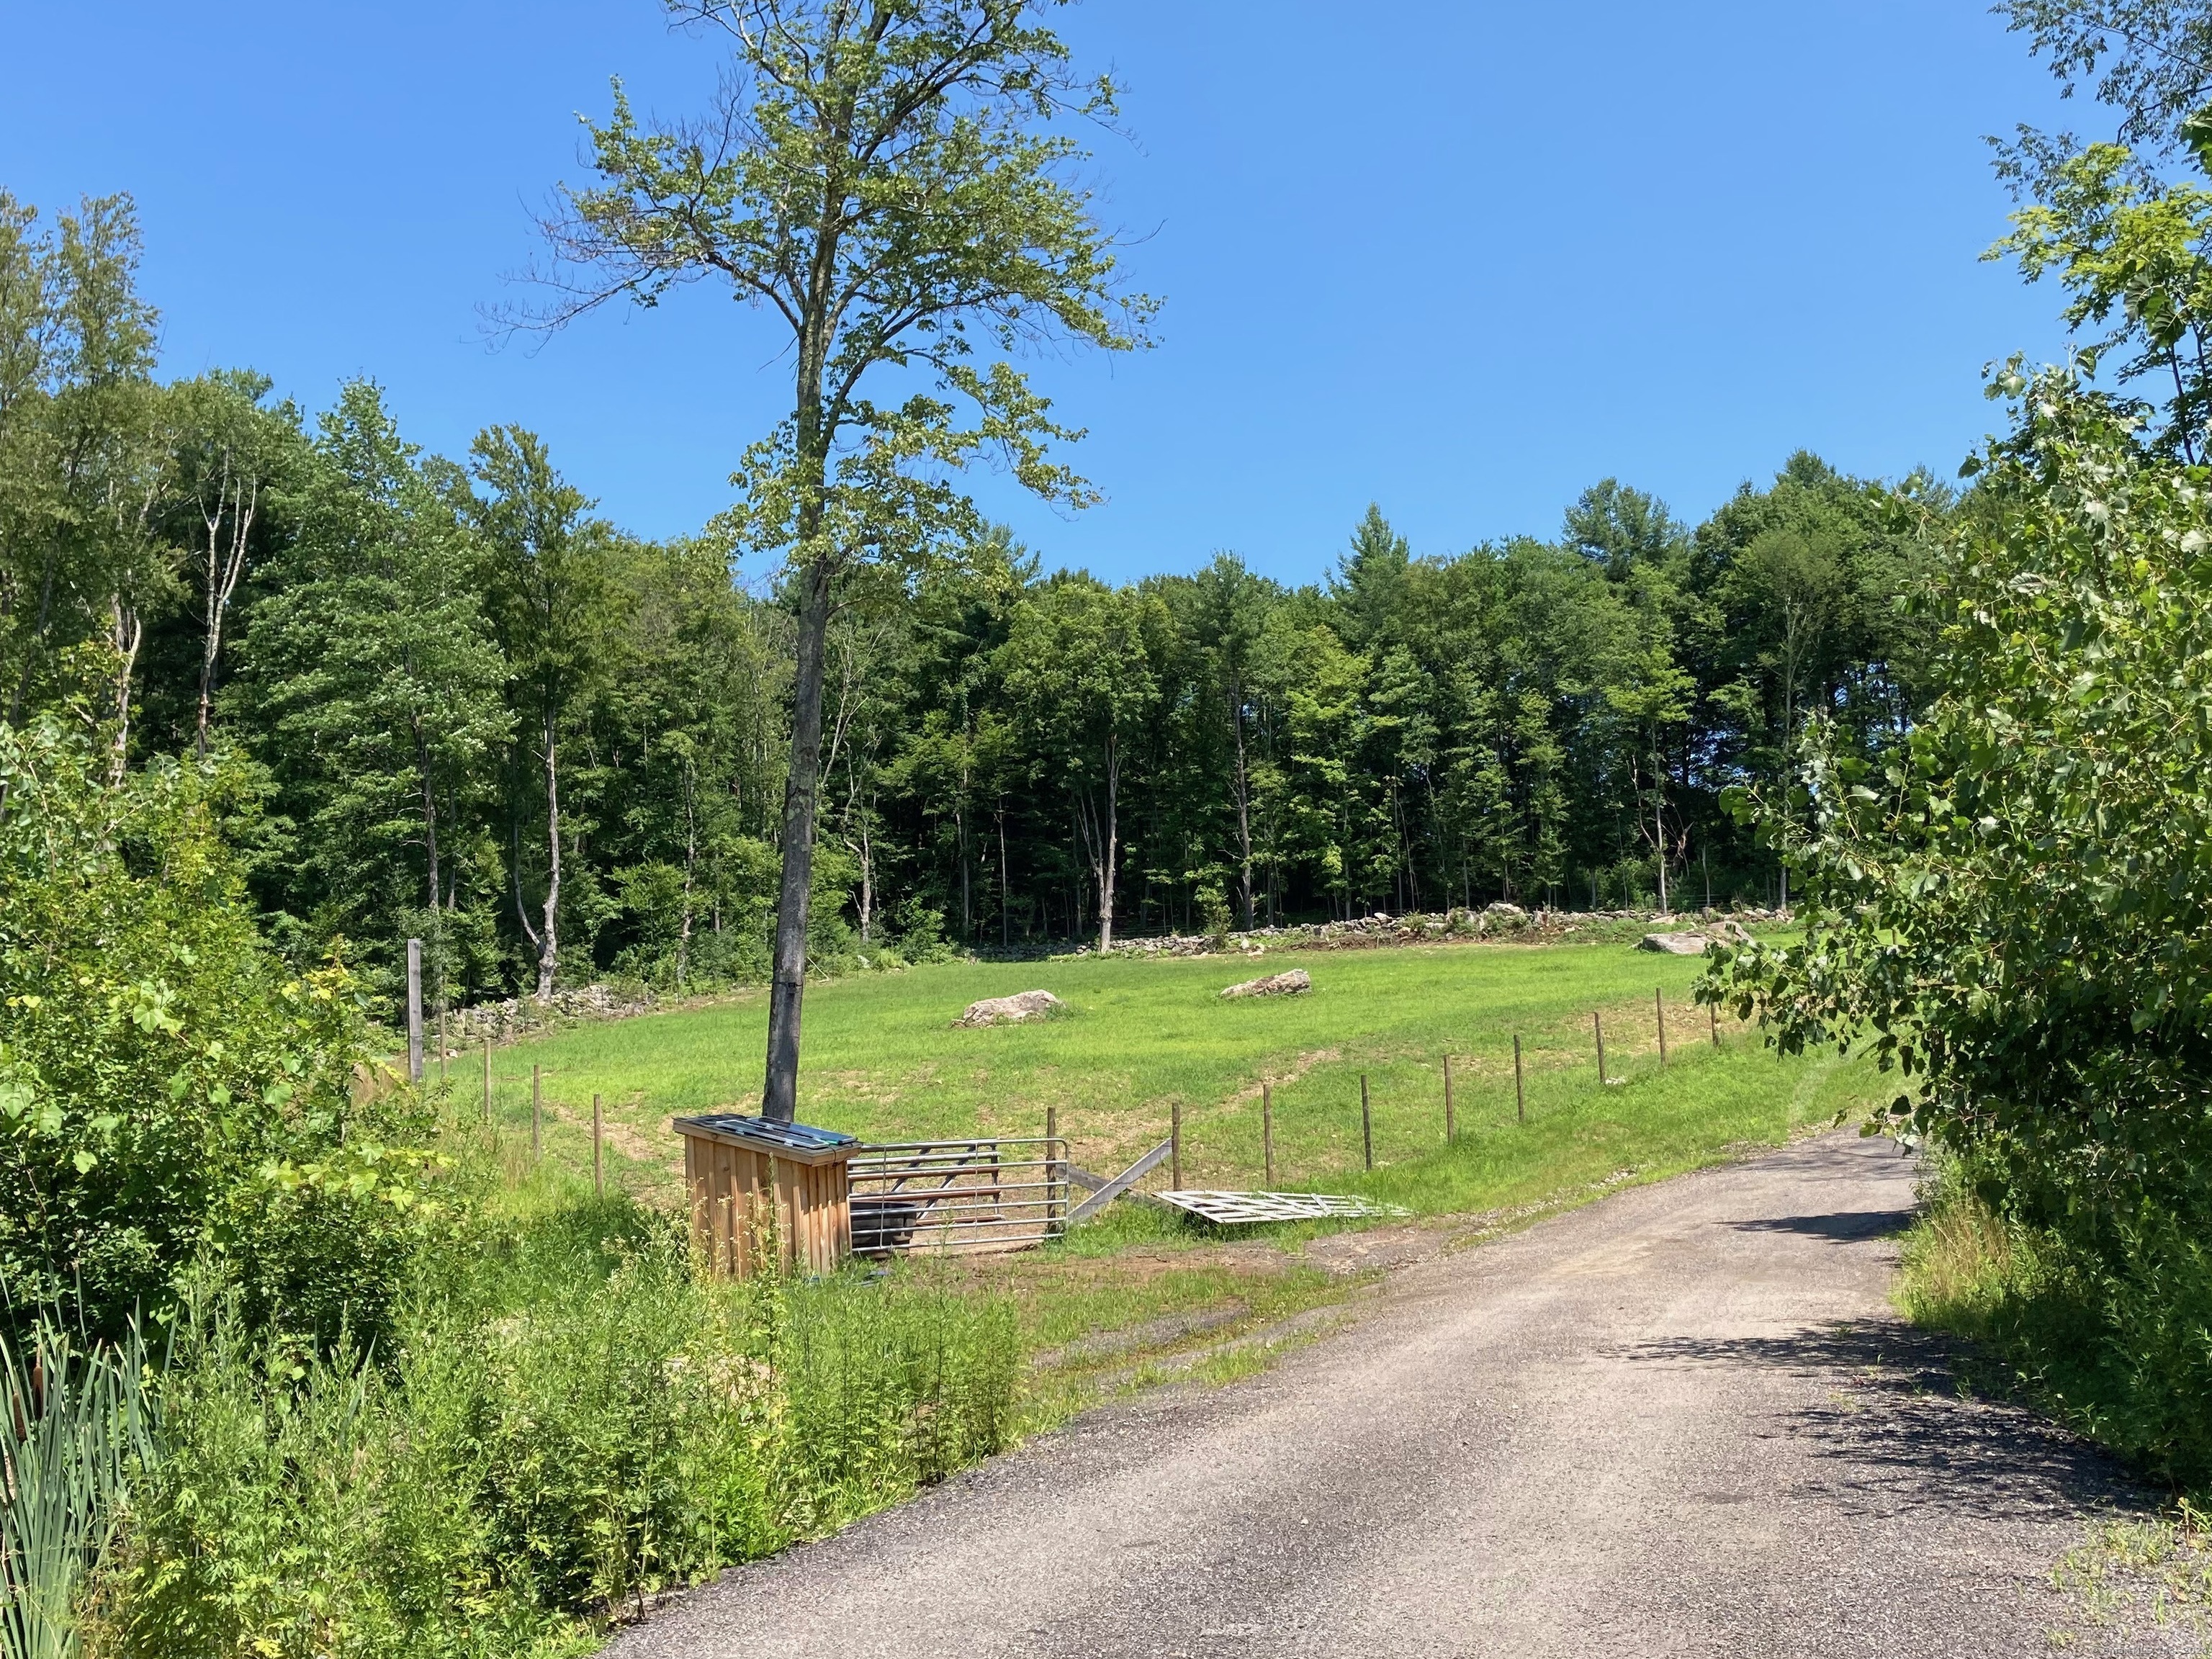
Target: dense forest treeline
[(454, 703)]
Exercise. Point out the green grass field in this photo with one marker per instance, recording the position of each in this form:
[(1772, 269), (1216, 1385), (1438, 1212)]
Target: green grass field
[(883, 1062)]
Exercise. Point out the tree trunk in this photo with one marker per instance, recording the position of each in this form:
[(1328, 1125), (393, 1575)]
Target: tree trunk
[(225, 567), (1110, 838), (1789, 724), (690, 865), (129, 633), (1659, 842), (960, 840), (1243, 808), (867, 876), (787, 990), (549, 946)]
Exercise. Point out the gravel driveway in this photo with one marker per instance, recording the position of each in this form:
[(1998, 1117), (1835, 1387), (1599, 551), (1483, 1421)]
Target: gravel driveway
[(1681, 1420)]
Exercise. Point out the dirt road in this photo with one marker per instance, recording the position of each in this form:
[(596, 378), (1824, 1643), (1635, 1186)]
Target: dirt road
[(1679, 1421)]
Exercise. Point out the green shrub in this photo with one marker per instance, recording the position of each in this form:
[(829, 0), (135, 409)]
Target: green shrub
[(168, 1089), (572, 1421), (2014, 905), (2117, 1341)]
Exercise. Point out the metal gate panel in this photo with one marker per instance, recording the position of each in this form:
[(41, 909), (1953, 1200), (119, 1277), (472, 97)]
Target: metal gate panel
[(958, 1196)]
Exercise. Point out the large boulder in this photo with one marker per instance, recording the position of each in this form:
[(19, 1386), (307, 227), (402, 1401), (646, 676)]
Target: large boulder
[(1674, 944), (1009, 1010), (1275, 985)]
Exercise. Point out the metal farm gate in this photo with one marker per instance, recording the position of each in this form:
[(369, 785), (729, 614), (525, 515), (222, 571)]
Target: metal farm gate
[(959, 1195)]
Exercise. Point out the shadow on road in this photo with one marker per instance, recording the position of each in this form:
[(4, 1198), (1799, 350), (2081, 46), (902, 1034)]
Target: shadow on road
[(1901, 1427), (1845, 1226)]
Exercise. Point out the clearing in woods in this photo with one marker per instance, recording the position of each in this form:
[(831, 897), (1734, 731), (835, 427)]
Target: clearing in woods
[(883, 1061)]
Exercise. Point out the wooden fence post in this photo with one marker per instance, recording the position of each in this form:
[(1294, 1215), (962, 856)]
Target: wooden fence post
[(598, 1156), (1174, 1144), (1597, 1029), (1451, 1125), (1519, 1093), (487, 1109), (536, 1110), (1267, 1132), (414, 1011), (1366, 1123), (443, 1046), (1713, 1010), (1659, 1002)]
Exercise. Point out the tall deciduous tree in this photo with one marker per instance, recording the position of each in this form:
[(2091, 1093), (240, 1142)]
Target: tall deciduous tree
[(1079, 663), (375, 683), (881, 175), (544, 573), (2151, 60), (232, 453), (1229, 610), (84, 459), (1654, 701)]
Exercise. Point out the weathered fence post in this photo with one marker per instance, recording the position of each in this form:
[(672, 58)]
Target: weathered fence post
[(1451, 1125), (1713, 1010), (537, 1110), (1659, 1002), (1519, 1093), (1267, 1133), (443, 1046), (1597, 1029), (1174, 1144), (487, 1109), (414, 1011), (599, 1155), (1366, 1123)]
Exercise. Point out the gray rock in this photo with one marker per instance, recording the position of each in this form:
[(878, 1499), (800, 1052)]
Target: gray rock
[(1009, 1010), (1674, 944), (1291, 984)]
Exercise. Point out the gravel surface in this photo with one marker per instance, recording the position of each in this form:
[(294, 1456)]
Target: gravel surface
[(1681, 1420)]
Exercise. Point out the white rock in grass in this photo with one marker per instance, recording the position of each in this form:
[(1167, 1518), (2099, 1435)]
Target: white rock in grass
[(1275, 985), (1007, 1011), (1674, 944)]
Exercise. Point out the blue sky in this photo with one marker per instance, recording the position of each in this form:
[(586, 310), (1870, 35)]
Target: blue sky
[(1461, 259)]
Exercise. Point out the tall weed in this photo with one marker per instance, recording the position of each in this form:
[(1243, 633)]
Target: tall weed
[(574, 1423)]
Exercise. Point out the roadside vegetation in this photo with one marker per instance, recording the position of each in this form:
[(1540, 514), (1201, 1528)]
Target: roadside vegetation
[(297, 1364), (2012, 907), (2012, 901)]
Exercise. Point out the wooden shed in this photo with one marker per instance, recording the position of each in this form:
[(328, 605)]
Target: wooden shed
[(749, 1177)]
